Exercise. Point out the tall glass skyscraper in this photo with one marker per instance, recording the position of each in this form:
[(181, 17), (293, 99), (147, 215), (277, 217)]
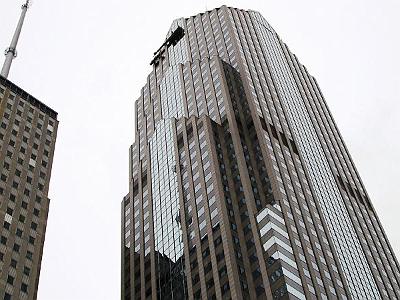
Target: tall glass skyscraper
[(241, 186)]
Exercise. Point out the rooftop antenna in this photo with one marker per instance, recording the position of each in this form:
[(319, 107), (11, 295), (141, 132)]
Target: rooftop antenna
[(11, 52)]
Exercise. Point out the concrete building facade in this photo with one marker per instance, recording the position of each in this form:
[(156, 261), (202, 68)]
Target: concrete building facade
[(28, 130)]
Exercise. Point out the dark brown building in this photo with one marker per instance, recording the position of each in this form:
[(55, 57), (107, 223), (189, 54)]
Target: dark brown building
[(241, 186), (28, 130)]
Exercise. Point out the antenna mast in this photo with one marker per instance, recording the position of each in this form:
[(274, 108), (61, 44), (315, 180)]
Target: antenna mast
[(11, 52)]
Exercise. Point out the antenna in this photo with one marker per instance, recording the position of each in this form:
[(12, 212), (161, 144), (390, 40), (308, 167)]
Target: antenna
[(11, 52)]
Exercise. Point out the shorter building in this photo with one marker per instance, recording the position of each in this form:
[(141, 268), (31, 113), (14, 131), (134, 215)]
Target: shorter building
[(28, 130)]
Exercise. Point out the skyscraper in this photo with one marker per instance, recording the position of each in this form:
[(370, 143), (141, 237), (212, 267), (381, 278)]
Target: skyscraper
[(241, 186), (28, 130)]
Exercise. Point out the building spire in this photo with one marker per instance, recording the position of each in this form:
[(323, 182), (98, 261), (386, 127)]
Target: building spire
[(11, 52)]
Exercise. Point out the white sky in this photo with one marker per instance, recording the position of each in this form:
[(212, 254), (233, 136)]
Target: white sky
[(89, 59)]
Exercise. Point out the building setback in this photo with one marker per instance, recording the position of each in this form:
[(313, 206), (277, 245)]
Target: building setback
[(241, 186)]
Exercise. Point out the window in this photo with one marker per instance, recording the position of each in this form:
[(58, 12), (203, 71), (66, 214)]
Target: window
[(13, 263), (16, 248), (7, 296), (6, 225), (206, 253), (217, 241), (225, 288), (222, 271)]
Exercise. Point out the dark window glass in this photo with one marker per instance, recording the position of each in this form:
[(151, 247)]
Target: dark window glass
[(16, 247), (13, 263), (27, 271), (6, 225)]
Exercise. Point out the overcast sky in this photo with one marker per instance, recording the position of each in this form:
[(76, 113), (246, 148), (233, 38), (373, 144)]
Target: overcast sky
[(88, 60)]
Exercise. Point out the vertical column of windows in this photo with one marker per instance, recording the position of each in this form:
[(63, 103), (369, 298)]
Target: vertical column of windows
[(246, 67), (165, 199), (192, 39), (198, 89), (154, 98), (208, 92), (208, 34), (245, 43), (217, 34), (171, 94), (136, 217), (148, 111), (233, 191), (188, 85), (126, 253), (228, 41), (178, 54), (217, 88), (198, 21), (208, 178), (194, 208), (134, 160)]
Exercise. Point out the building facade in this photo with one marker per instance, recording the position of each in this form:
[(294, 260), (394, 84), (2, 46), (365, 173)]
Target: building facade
[(241, 186), (28, 130)]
